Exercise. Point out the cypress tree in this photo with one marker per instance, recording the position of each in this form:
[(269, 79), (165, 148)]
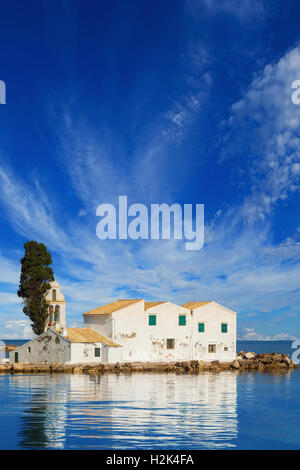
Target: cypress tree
[(34, 284)]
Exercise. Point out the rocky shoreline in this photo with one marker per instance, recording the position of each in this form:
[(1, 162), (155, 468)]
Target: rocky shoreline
[(245, 361)]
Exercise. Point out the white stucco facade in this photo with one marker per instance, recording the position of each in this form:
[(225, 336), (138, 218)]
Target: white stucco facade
[(46, 348), (133, 330), (52, 347), (172, 332)]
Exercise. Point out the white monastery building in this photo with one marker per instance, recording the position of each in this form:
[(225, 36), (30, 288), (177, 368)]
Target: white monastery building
[(134, 330)]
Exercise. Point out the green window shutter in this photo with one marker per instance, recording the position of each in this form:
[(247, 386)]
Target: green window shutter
[(201, 327), (97, 352), (16, 357), (182, 320), (224, 327), (152, 320)]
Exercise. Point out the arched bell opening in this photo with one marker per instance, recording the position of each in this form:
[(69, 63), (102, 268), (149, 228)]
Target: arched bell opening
[(51, 314), (57, 314)]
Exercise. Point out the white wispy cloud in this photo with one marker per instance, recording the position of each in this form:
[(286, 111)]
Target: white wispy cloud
[(249, 334), (234, 268), (17, 329), (197, 80), (239, 266), (29, 209), (9, 270), (269, 122)]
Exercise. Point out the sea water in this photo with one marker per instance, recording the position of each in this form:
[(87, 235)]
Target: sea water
[(225, 410)]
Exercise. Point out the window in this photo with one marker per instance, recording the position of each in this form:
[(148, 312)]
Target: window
[(212, 348), (201, 328), (97, 352), (152, 320), (225, 348), (56, 314), (29, 350), (54, 294), (224, 327), (182, 320), (16, 357), (170, 343), (51, 316)]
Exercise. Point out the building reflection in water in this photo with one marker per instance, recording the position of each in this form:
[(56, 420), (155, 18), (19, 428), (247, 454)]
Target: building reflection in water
[(128, 411)]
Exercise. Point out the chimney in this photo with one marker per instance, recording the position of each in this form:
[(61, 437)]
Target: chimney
[(64, 331)]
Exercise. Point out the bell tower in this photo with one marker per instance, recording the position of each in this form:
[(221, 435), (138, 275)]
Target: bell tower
[(57, 307)]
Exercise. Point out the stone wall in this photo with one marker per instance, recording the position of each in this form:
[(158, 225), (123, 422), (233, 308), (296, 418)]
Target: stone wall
[(244, 362)]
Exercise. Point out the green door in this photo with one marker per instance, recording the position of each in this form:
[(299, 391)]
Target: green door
[(16, 357)]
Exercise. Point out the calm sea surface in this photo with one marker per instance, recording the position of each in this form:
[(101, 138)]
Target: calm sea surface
[(226, 410)]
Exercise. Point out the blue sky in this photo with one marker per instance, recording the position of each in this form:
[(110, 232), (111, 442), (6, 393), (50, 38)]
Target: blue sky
[(174, 101)]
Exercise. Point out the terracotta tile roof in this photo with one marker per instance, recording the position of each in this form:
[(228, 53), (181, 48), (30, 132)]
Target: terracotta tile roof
[(112, 307), (88, 335), (153, 304), (193, 305)]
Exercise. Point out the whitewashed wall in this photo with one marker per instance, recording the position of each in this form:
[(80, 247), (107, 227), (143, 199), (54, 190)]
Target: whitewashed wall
[(85, 353), (46, 348), (212, 315), (101, 323), (128, 327), (143, 342), (167, 326)]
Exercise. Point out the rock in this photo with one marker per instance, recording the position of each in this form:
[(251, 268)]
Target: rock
[(5, 368), (215, 363), (92, 371), (235, 364), (225, 365), (201, 365), (277, 363), (249, 355), (138, 368), (286, 360), (29, 368), (59, 368), (245, 363), (260, 367), (42, 368), (18, 367), (194, 364)]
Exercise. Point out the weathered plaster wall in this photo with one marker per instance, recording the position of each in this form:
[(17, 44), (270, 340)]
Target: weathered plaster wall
[(101, 323), (85, 353), (167, 326), (129, 327), (48, 347), (142, 342), (212, 315)]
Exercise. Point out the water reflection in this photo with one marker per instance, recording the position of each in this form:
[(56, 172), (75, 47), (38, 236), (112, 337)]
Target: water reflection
[(128, 411)]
